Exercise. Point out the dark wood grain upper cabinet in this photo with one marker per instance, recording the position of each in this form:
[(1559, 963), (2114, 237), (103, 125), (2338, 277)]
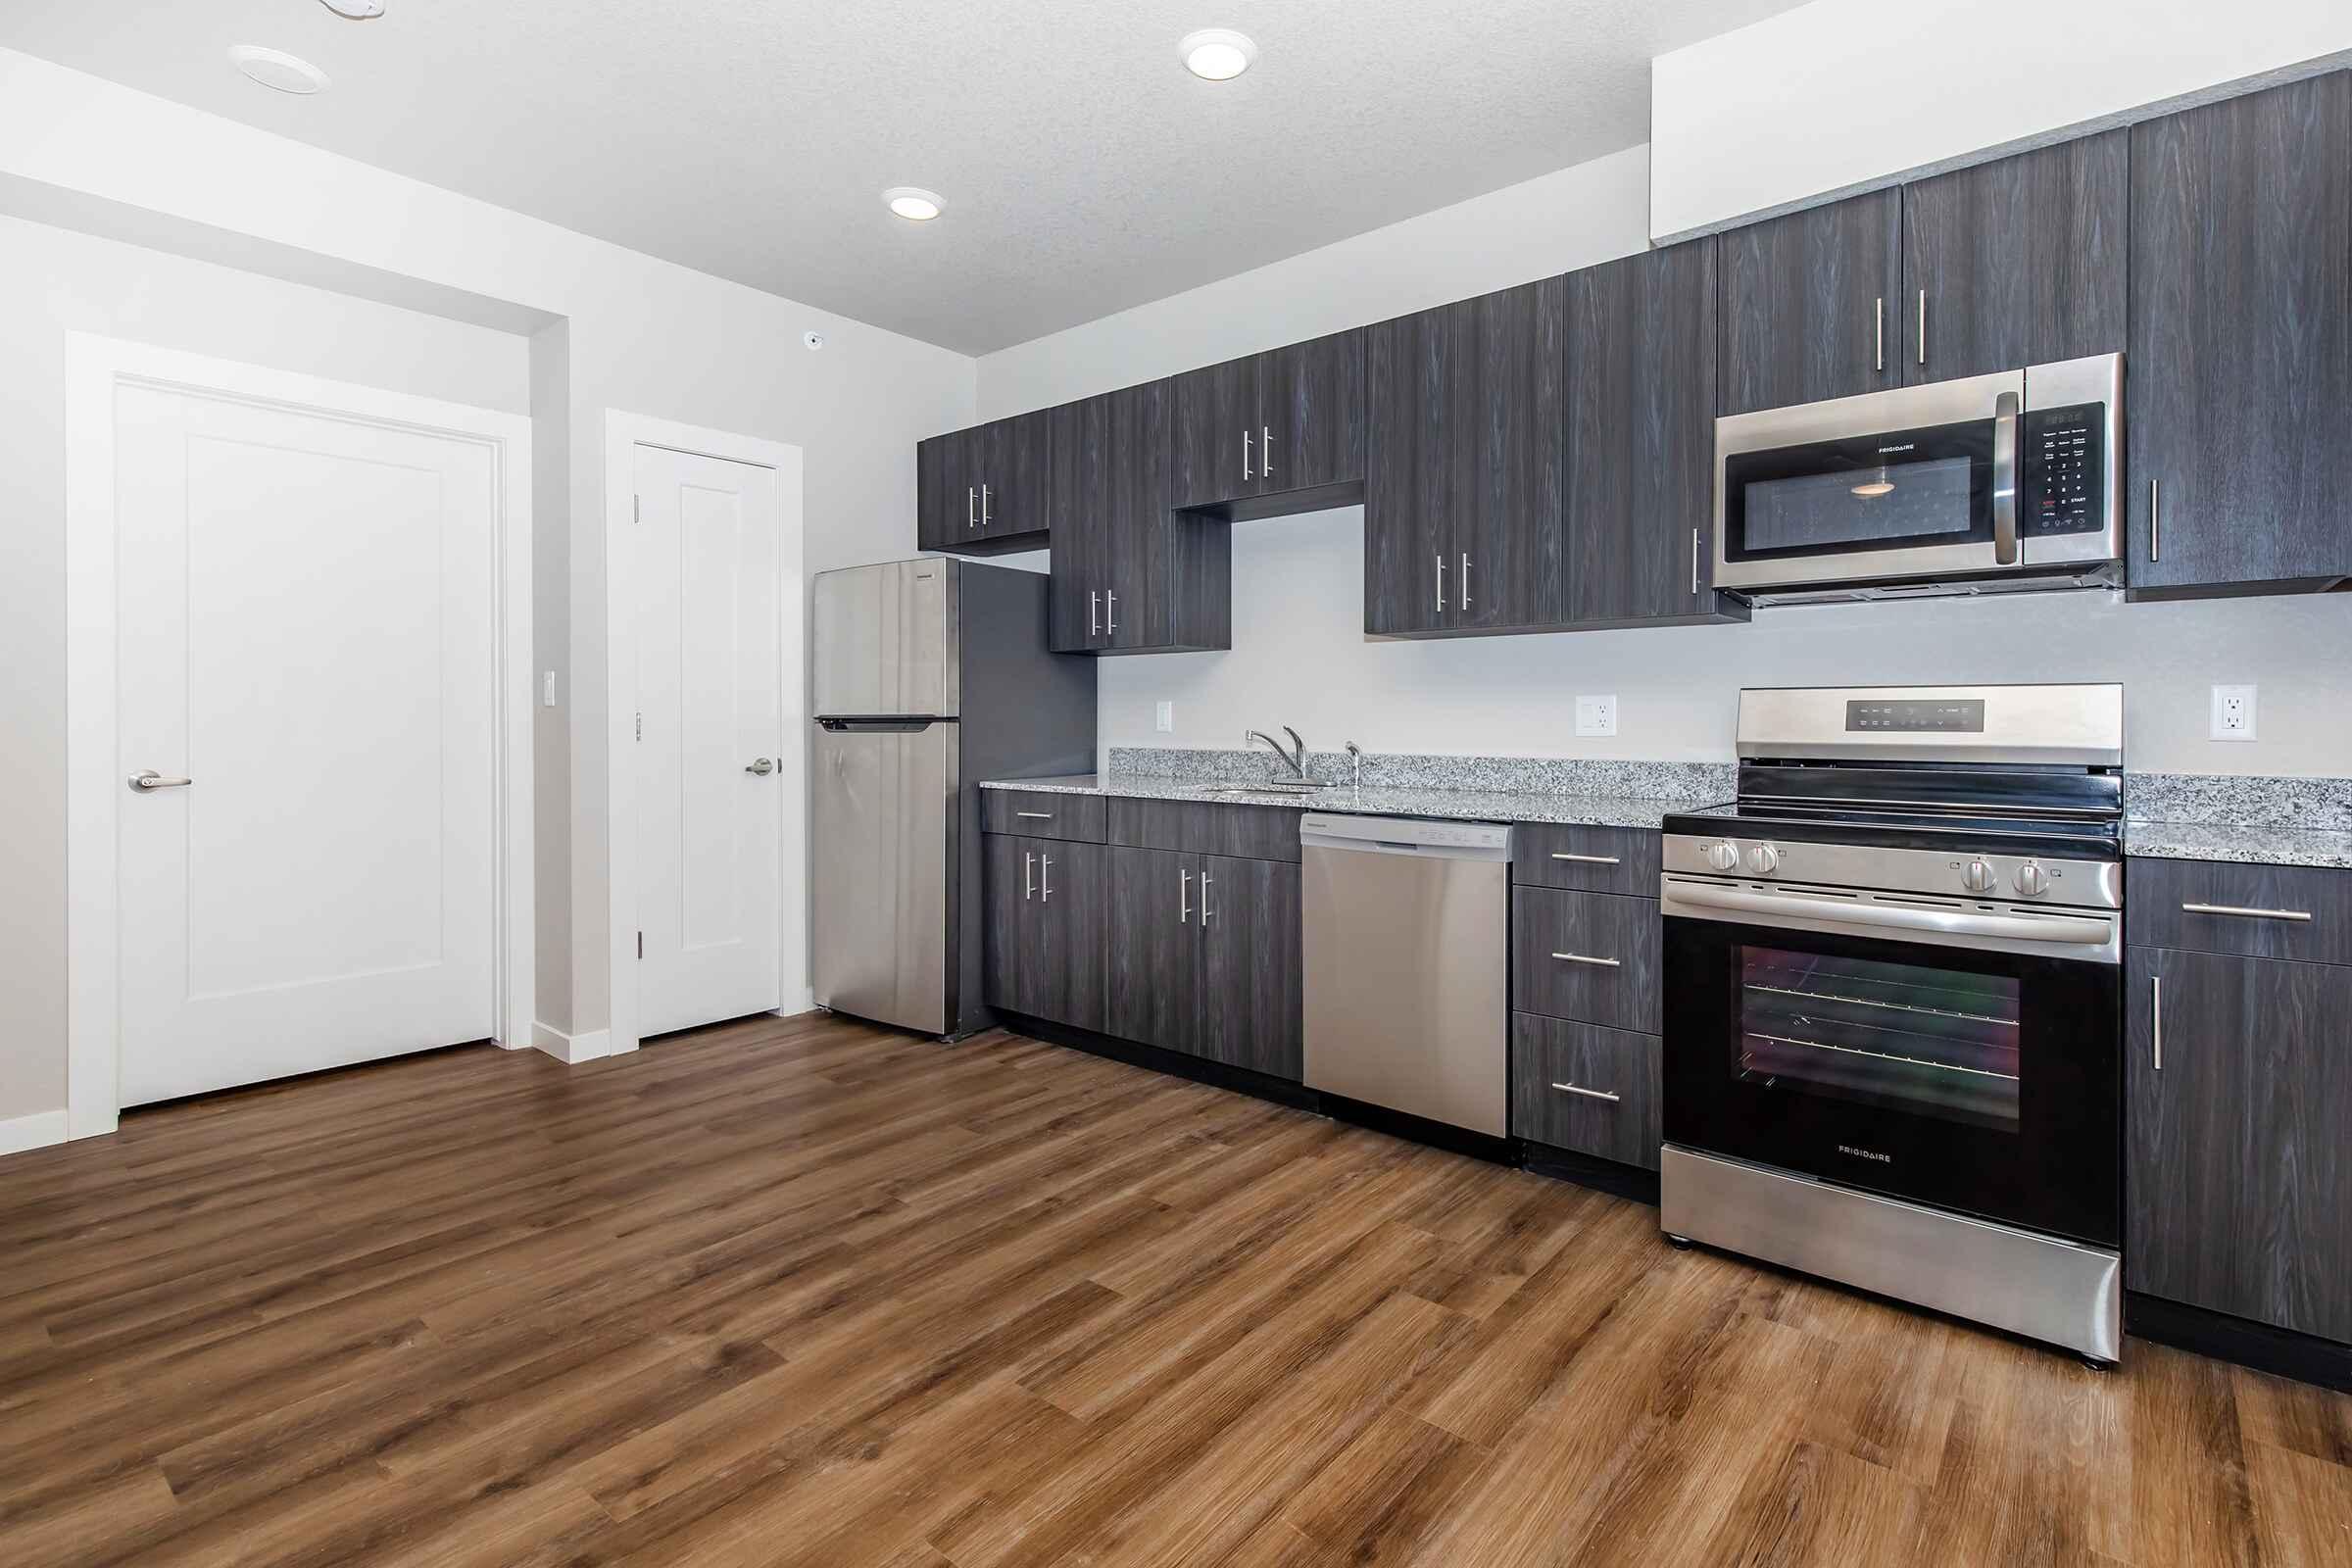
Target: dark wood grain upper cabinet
[(941, 521), (1812, 305), (1129, 575), (1009, 461), (1280, 424), (2018, 262), (1463, 507), (1213, 407), (1251, 1009), (1642, 436), (2240, 361), (2238, 1176)]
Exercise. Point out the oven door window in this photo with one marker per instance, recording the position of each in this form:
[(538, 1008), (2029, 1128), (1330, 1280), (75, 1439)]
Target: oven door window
[(1989, 1083), (1897, 490), (1909, 1037)]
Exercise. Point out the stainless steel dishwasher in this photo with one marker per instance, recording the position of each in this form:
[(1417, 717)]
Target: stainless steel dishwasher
[(1407, 939)]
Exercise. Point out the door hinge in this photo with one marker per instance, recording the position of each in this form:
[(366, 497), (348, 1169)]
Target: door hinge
[(641, 726), (636, 509), (640, 944)]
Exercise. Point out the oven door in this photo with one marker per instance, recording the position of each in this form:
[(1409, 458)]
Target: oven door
[(1964, 1077)]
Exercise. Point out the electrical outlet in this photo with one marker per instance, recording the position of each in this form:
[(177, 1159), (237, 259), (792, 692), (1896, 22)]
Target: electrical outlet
[(1164, 720), (1596, 716), (2232, 714)]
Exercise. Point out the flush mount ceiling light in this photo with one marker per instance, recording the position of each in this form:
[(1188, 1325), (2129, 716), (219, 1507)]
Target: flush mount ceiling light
[(915, 205), (277, 69), (1216, 54)]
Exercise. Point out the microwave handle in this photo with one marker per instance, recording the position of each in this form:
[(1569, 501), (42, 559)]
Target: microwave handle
[(2004, 480)]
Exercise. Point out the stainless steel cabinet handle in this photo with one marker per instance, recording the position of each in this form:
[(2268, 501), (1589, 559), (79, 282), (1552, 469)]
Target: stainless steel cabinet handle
[(1579, 958), (1879, 326), (147, 778), (972, 507), (759, 765), (1440, 559), (1045, 879), (1245, 457), (2156, 1018), (2004, 479), (1922, 327), (2153, 554), (1589, 1094), (1205, 880), (1586, 860), (1183, 897), (984, 506), (1028, 876), (1111, 612), (1042, 816), (1094, 612), (1265, 452), (2246, 914), (1694, 563), (1461, 586)]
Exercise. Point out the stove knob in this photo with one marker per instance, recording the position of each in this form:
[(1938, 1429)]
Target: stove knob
[(2032, 880), (1977, 877), (1763, 859), (1723, 856)]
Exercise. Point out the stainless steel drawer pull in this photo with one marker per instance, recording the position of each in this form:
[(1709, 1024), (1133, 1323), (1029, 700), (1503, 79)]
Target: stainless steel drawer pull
[(1579, 958), (1028, 876), (2302, 915), (1589, 1094), (1586, 860), (2156, 1018), (1038, 816)]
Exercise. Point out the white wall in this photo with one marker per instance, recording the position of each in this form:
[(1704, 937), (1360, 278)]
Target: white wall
[(53, 282), (637, 333), (1300, 656), (1843, 95)]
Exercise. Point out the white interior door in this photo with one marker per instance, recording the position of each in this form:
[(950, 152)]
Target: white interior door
[(709, 790), (305, 635)]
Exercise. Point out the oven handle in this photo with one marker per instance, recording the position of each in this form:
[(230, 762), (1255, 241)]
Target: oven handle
[(2088, 931)]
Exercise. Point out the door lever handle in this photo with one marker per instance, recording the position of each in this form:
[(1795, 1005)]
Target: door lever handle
[(763, 767), (147, 778)]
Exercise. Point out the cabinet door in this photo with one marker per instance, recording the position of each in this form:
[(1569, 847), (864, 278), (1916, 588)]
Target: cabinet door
[(1250, 1009), (1642, 435), (2238, 1177), (932, 528), (2240, 361), (1010, 461), (1154, 929), (1213, 408), (1064, 956), (1812, 305), (1311, 413), (1420, 376), (2018, 262), (1008, 890), (1510, 527), (1139, 582), (1079, 530)]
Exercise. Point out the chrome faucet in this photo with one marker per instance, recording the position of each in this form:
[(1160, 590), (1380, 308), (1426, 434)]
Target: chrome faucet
[(1355, 760), (1295, 755)]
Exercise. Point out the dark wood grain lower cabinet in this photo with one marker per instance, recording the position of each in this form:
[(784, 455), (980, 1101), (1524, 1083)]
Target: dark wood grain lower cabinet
[(1581, 1087), (1007, 887), (2260, 911), (1250, 1009), (1590, 957), (2238, 1173), (1064, 957), (1153, 920)]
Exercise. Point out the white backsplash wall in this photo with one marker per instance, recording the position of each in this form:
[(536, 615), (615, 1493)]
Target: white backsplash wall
[(1299, 658)]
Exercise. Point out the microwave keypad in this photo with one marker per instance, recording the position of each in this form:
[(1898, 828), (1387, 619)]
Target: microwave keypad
[(2065, 464)]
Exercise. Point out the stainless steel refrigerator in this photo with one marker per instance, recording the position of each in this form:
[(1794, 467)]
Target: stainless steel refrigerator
[(930, 675)]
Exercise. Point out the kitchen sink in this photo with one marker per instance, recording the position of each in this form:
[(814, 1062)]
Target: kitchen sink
[(1263, 789)]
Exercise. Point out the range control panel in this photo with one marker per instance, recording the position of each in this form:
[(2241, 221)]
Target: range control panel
[(2064, 462)]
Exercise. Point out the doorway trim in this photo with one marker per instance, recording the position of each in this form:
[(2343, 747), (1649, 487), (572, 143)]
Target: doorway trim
[(95, 366), (624, 433)]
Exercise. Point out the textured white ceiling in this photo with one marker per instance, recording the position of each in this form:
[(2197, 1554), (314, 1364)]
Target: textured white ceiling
[(1084, 170)]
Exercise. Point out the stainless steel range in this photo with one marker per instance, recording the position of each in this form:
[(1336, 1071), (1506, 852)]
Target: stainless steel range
[(1893, 1001)]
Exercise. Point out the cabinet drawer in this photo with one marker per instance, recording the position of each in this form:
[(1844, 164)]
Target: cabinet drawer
[(1044, 814), (1207, 827), (1595, 1090), (1595, 860), (2262, 912), (1590, 956)]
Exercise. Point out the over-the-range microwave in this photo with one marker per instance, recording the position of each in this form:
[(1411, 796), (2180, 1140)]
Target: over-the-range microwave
[(1978, 485)]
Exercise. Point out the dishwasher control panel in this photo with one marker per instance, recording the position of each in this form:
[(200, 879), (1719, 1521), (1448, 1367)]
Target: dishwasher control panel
[(1407, 834)]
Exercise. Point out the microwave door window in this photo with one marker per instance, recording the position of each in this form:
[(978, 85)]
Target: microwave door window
[(1923, 502)]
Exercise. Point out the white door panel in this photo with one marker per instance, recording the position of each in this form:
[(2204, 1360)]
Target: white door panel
[(709, 683), (305, 632)]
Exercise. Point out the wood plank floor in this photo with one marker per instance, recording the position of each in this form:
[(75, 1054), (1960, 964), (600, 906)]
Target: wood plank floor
[(805, 1292)]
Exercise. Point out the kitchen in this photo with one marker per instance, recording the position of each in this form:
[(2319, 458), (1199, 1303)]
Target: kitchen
[(1650, 865)]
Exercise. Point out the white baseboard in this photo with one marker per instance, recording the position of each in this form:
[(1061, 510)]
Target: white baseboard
[(37, 1131), (571, 1047)]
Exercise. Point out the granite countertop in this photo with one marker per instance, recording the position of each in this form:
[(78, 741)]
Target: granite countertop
[(1457, 805), (2266, 845)]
